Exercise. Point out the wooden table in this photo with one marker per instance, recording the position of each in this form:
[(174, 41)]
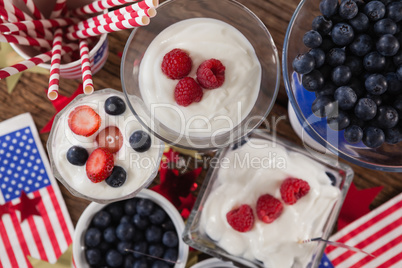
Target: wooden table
[(29, 96)]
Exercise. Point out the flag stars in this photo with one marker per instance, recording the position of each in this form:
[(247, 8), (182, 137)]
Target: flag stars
[(8, 138), (24, 137), (18, 134)]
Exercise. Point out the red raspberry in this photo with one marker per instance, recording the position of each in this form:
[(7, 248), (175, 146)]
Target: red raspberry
[(268, 208), (187, 91), (241, 219), (293, 189), (211, 74), (176, 64)]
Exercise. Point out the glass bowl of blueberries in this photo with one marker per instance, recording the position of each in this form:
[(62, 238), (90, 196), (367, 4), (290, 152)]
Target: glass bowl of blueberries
[(143, 231), (344, 82)]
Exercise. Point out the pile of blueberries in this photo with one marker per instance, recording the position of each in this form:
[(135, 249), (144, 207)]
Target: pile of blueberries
[(354, 66), (121, 231)]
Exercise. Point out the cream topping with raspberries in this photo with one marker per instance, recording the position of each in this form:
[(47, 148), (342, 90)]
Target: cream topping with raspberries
[(220, 109), (113, 132), (255, 178)]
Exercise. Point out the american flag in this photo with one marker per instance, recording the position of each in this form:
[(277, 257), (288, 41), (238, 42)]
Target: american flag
[(378, 232), (25, 173)]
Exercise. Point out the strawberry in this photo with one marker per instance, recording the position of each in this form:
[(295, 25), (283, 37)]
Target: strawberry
[(100, 165), (268, 208), (110, 138), (84, 121), (241, 219)]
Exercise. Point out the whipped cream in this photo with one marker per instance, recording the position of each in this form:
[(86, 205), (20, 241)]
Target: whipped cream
[(252, 171), (140, 167), (220, 109)]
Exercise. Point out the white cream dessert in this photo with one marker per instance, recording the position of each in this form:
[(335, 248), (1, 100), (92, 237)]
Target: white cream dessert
[(258, 168), (220, 109), (140, 165)]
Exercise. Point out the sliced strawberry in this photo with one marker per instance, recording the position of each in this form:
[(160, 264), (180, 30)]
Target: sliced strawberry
[(110, 138), (84, 121), (99, 165)]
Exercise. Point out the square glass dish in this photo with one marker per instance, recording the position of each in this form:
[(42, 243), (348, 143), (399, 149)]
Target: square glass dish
[(239, 176)]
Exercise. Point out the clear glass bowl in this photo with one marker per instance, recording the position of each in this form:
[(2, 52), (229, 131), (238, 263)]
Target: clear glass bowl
[(60, 122), (385, 158), (195, 235), (228, 11)]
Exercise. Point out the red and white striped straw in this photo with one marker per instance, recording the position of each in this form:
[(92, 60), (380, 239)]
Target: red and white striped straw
[(34, 9), (36, 24), (112, 27), (53, 90), (25, 40), (26, 64), (58, 9), (110, 18), (100, 5), (88, 85), (11, 8)]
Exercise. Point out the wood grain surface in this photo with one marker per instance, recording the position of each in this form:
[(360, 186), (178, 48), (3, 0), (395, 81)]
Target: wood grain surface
[(30, 96)]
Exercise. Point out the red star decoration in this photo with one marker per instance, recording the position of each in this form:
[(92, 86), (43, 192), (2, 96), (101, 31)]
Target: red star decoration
[(27, 206), (59, 104), (356, 204), (6, 208)]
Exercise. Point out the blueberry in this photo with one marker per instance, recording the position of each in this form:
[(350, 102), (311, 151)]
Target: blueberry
[(313, 81), (328, 7), (109, 234), (361, 45), (339, 121), (312, 39), (373, 137), (376, 98), (125, 219), (319, 56), (77, 155), (156, 250), (114, 258), (158, 216), (140, 247), (385, 26), (323, 106), (360, 22), (394, 86), (171, 254), (397, 58), (387, 45), (115, 210), (374, 62), (348, 9), (102, 219), (386, 117), (145, 207), (115, 106), (365, 109), (129, 206), (123, 245), (125, 231), (322, 25), (398, 105), (168, 225), (128, 261), (342, 34), (303, 63), (170, 239), (376, 84), (140, 141), (341, 75), (393, 135), (394, 11), (141, 263), (399, 73), (117, 178), (327, 90), (93, 256), (355, 64), (331, 177), (140, 222), (153, 234), (375, 10), (160, 264), (335, 56), (104, 247), (353, 134), (346, 97)]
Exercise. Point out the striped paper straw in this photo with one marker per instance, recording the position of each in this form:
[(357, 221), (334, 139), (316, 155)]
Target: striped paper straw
[(53, 90), (110, 18), (86, 68), (11, 8), (25, 40), (112, 27), (58, 9), (35, 24), (100, 5), (34, 9), (26, 64)]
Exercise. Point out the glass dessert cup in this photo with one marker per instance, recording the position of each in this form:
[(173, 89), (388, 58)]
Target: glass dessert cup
[(236, 15), (78, 184), (85, 218), (385, 158), (195, 233)]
